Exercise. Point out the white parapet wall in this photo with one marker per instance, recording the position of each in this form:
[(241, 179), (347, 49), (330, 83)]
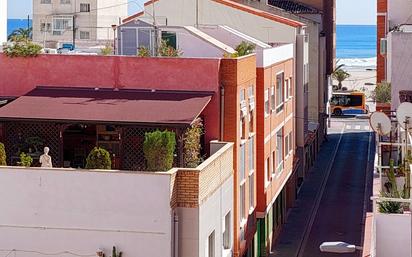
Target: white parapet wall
[(393, 235), (3, 21), (57, 210)]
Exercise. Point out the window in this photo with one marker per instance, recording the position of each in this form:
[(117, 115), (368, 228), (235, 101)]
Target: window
[(250, 121), (64, 1), (290, 87), (84, 35), (251, 154), (45, 1), (62, 23), (251, 108), (144, 38), (290, 142), (252, 190), (287, 145), (170, 38), (84, 7), (272, 99), (227, 231), (279, 150), (267, 102), (274, 165), (243, 114), (242, 202), (279, 91), (267, 169), (211, 245), (45, 27), (242, 162)]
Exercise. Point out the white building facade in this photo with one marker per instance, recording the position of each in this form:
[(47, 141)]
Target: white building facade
[(76, 21), (3, 21)]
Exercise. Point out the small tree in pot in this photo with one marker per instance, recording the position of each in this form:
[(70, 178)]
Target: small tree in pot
[(99, 158), (192, 144), (158, 148), (382, 96)]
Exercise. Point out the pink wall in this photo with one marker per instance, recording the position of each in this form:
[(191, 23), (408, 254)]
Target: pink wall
[(20, 75)]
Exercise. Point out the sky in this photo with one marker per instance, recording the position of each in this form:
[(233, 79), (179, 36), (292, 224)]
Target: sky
[(347, 11)]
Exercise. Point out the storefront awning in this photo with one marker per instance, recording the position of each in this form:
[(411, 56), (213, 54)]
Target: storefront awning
[(107, 106)]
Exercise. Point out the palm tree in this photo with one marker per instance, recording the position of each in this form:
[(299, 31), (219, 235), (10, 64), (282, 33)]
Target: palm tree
[(21, 34), (340, 75)]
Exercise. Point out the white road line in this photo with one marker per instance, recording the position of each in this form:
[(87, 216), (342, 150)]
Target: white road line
[(348, 126), (367, 128), (357, 127)]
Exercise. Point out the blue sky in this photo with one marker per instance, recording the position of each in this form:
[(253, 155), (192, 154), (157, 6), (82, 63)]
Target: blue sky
[(348, 11)]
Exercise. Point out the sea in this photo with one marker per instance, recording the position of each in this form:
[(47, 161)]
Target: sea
[(356, 45)]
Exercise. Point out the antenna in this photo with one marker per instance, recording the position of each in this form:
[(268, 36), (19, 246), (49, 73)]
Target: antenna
[(380, 123)]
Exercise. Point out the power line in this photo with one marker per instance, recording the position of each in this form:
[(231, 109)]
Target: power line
[(46, 254)]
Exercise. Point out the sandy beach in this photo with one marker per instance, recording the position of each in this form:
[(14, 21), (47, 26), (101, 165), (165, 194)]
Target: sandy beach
[(363, 78)]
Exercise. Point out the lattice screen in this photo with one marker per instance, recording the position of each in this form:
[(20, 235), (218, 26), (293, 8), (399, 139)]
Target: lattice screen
[(17, 132)]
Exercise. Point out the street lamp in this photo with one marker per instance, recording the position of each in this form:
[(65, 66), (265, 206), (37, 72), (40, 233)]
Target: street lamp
[(114, 26), (338, 247)]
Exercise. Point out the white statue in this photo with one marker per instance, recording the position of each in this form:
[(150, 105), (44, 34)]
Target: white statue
[(45, 159)]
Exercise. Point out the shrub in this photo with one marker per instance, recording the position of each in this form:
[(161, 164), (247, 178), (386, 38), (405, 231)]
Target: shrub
[(107, 50), (158, 149), (22, 47), (25, 160), (2, 155), (192, 146), (382, 93), (244, 48), (99, 158), (143, 52), (166, 50)]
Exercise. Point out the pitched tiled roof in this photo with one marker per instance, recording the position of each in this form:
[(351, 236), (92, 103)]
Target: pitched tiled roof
[(293, 7)]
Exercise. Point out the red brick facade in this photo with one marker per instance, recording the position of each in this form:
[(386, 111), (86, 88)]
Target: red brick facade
[(381, 33)]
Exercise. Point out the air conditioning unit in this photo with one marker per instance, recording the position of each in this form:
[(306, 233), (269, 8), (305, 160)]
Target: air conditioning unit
[(383, 46)]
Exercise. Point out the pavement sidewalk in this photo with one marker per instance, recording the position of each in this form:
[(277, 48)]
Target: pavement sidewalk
[(291, 236)]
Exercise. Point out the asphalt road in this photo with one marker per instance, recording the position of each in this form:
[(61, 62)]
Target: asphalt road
[(341, 209), (332, 201)]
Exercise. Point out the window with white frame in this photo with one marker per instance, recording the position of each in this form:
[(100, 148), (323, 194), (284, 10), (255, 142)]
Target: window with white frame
[(65, 2), (251, 153), (267, 111), (61, 23), (267, 169), (84, 7), (279, 150), (251, 108), (84, 35), (211, 245), (274, 165), (242, 203), (287, 89), (279, 91), (290, 141), (227, 231), (272, 99), (290, 87), (242, 162), (45, 27), (243, 114), (251, 190), (45, 1)]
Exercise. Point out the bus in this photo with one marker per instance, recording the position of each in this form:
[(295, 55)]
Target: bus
[(348, 103)]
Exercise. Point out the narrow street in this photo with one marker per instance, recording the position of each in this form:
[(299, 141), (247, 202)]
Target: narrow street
[(331, 202)]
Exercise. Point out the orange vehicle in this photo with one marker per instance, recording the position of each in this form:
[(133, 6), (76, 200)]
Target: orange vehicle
[(350, 103)]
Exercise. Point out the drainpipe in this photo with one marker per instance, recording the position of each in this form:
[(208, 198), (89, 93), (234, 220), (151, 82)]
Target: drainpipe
[(222, 110), (176, 235)]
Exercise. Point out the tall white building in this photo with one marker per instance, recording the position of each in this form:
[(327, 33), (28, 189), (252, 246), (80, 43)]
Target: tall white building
[(3, 21), (82, 21)]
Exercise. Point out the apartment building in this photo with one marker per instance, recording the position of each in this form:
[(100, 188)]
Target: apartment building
[(394, 33), (3, 22), (84, 22), (274, 69)]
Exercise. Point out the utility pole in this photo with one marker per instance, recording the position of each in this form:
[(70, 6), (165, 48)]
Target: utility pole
[(157, 42), (197, 13), (74, 31)]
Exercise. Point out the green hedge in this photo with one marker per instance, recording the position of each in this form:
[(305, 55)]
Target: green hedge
[(3, 155)]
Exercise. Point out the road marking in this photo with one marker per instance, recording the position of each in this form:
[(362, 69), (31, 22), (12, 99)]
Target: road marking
[(319, 198), (357, 127), (348, 126), (367, 128)]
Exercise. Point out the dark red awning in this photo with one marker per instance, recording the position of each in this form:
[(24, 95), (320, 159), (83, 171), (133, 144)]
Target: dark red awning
[(107, 105)]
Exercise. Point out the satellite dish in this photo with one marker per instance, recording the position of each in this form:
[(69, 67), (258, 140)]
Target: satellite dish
[(404, 114), (380, 123)]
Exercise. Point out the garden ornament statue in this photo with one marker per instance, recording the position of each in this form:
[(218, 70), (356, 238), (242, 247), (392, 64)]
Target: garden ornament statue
[(45, 159)]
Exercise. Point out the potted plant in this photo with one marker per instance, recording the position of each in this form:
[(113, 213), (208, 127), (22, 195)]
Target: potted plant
[(25, 160), (382, 96), (192, 146), (158, 148), (99, 158)]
